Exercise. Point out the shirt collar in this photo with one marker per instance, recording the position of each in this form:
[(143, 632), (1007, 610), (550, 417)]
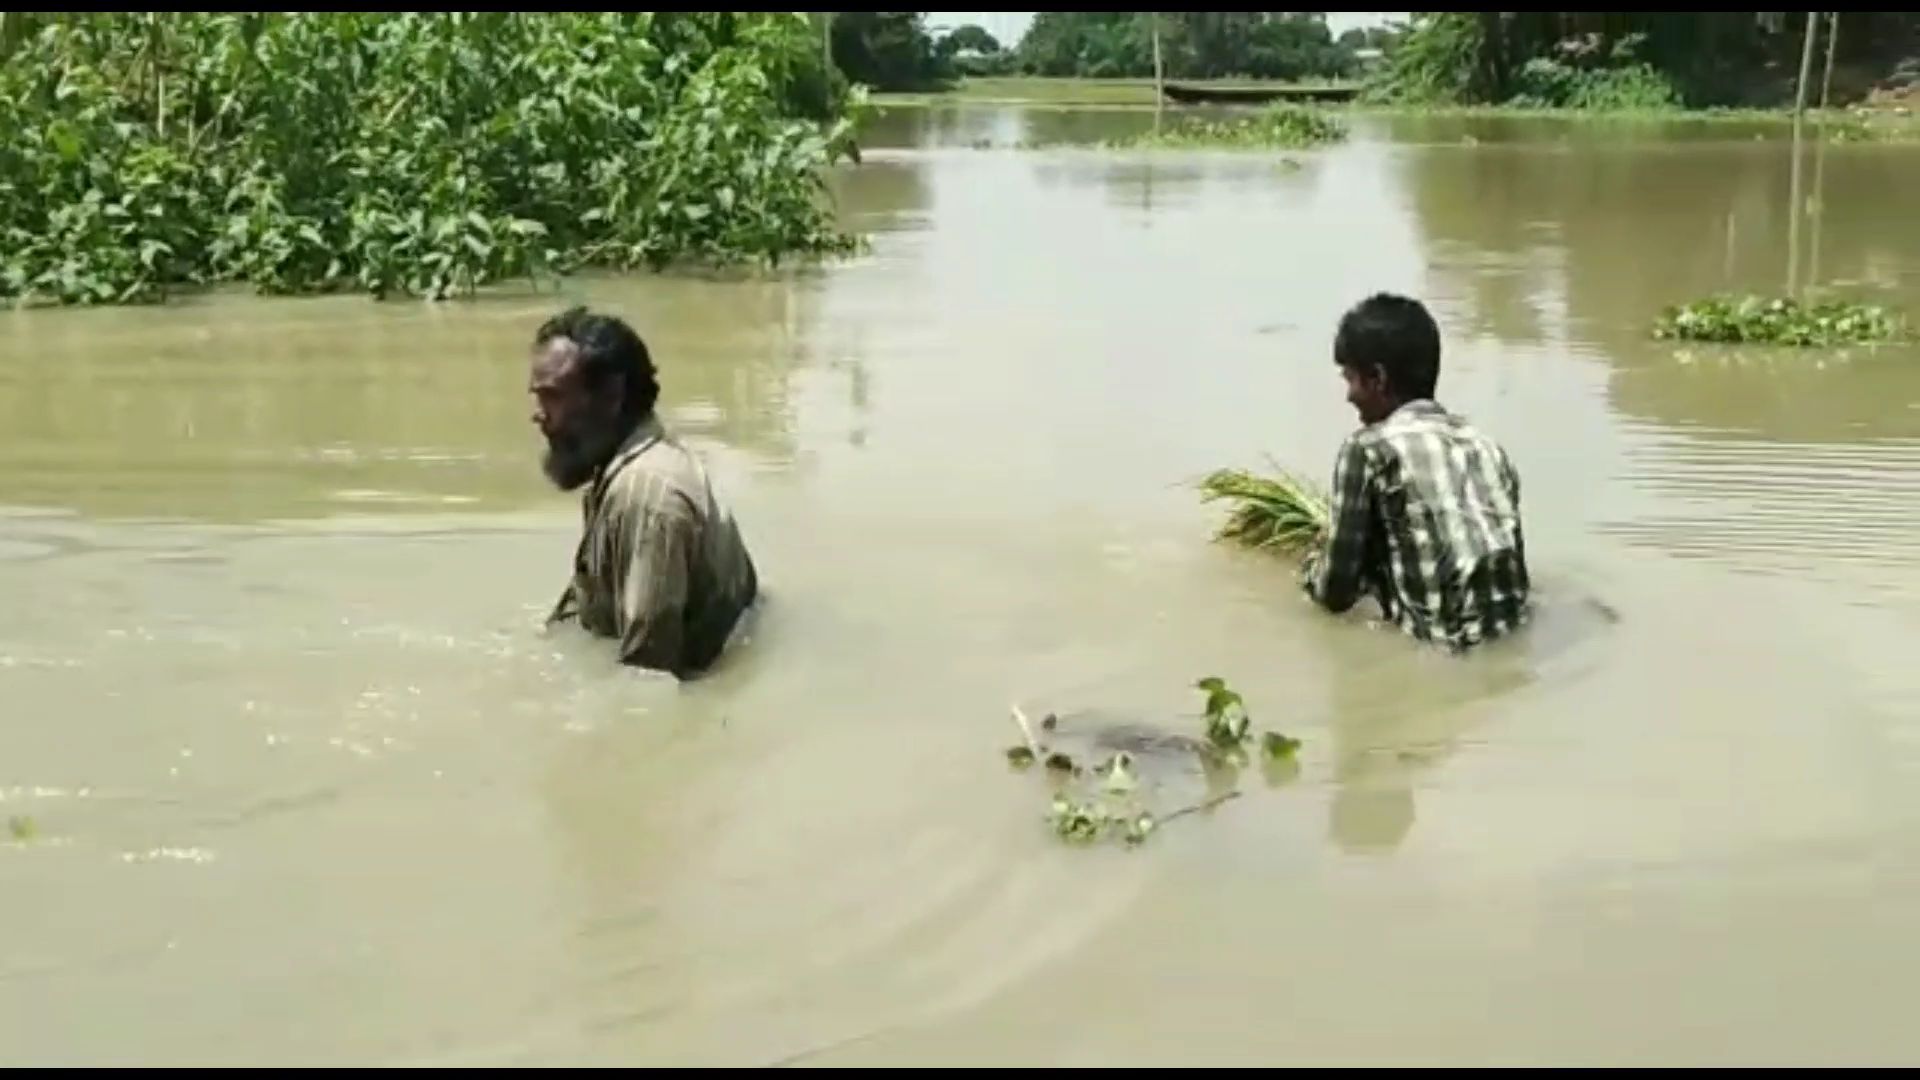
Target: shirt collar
[(638, 441), (644, 434), (1414, 408)]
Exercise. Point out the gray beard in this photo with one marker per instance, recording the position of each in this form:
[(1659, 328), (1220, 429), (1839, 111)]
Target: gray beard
[(572, 459)]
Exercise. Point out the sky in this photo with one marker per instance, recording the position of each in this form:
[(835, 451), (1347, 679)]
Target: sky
[(1007, 26)]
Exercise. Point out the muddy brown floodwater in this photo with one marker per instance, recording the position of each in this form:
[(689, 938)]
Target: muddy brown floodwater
[(307, 786)]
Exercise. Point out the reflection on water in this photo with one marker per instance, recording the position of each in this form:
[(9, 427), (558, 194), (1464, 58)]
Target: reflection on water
[(312, 788)]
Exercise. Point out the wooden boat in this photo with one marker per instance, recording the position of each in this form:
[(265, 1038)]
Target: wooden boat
[(1256, 95)]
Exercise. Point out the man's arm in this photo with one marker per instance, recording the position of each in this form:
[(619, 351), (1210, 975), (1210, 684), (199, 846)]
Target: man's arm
[(652, 569), (1335, 575)]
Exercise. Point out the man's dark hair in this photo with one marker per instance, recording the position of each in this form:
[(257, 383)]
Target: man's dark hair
[(1397, 334), (607, 347)]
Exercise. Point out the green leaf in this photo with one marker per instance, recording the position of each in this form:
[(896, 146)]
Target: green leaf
[(1219, 701), (1277, 745), (22, 827), (65, 140)]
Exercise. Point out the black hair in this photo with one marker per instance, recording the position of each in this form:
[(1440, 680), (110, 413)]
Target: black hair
[(1397, 334), (607, 347)]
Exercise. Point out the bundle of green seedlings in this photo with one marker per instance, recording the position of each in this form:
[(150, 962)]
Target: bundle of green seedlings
[(1759, 320), (1116, 807), (1282, 512)]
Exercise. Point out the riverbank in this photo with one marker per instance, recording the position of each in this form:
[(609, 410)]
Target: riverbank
[(1074, 93), (1889, 120)]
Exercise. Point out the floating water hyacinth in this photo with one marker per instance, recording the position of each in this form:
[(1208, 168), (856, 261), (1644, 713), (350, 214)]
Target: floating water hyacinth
[(1758, 320), (1282, 126)]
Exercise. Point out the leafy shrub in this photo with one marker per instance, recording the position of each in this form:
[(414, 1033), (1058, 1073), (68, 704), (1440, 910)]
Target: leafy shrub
[(415, 153), (1548, 83)]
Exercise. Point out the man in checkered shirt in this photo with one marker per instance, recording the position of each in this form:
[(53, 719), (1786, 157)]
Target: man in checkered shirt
[(1425, 511)]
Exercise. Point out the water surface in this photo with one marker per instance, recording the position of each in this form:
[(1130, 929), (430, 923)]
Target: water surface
[(311, 788)]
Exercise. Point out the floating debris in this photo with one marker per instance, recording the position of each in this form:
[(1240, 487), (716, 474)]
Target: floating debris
[(1111, 800)]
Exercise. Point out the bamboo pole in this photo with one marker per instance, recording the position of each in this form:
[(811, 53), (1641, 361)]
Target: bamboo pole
[(1806, 64), (826, 44), (1159, 73), (1833, 39), (1794, 187), (1816, 210)]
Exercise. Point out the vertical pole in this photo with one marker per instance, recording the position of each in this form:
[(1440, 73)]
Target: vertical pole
[(1793, 197), (1159, 72), (1817, 204), (826, 44), (1833, 38), (1806, 64)]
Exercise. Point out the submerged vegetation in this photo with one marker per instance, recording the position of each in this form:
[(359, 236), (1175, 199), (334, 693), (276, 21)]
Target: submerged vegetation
[(1281, 126), (421, 154), (1778, 321), (1281, 512), (1111, 799)]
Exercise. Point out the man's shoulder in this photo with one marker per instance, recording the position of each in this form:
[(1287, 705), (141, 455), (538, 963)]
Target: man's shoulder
[(1432, 422), (664, 476)]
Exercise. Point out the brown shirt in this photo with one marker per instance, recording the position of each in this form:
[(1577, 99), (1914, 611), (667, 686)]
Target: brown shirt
[(661, 566)]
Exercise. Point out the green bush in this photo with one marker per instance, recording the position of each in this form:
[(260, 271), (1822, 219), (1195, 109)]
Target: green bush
[(1545, 83), (418, 153)]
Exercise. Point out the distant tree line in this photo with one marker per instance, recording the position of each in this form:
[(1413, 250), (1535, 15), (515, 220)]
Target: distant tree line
[(1193, 45), (1578, 59), (895, 50), (1627, 58)]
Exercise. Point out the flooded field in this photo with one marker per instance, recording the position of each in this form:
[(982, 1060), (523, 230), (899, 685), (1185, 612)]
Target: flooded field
[(307, 785)]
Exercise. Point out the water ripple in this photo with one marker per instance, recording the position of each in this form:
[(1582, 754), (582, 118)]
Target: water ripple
[(1776, 507)]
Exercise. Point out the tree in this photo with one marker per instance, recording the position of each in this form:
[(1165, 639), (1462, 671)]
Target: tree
[(970, 38), (1704, 58), (1195, 44), (888, 50)]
